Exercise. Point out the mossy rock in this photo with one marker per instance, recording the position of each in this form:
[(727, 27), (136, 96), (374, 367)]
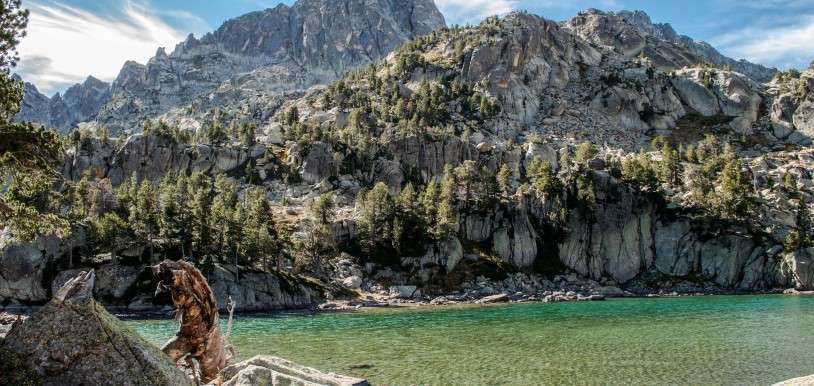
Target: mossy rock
[(15, 371), (78, 342)]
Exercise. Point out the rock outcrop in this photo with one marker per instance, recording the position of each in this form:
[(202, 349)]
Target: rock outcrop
[(23, 269), (72, 340), (801, 266), (632, 33)]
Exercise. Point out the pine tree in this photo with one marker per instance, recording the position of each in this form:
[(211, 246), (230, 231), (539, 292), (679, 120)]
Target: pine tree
[(144, 215), (320, 240), (670, 165), (584, 152), (200, 211), (733, 199), (292, 117), (504, 176), (446, 218), (109, 232), (247, 134), (224, 204), (169, 204), (542, 177), (376, 219)]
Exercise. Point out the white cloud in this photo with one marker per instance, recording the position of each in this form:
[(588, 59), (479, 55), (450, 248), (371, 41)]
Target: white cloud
[(784, 46), (473, 11), (66, 44)]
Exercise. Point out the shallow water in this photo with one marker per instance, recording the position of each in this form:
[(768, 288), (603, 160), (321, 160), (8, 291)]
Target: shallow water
[(710, 340)]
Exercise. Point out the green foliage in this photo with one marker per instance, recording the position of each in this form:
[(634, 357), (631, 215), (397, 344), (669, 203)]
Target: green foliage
[(733, 199), (213, 133), (542, 177), (790, 183), (504, 180), (28, 152), (639, 169), (376, 221), (319, 243), (584, 152), (585, 189), (13, 21), (669, 168)]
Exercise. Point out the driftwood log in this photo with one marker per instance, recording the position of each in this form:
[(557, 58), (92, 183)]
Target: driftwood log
[(199, 336)]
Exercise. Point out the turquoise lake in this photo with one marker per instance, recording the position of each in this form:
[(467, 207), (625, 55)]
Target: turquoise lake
[(707, 340)]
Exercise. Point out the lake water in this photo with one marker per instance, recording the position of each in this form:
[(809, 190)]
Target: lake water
[(710, 340)]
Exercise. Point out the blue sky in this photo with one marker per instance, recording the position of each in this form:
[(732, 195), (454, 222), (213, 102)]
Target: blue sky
[(71, 39)]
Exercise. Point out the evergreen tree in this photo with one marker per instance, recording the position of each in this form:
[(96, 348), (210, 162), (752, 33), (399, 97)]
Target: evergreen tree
[(446, 216), (109, 232), (504, 180), (292, 117), (542, 177), (670, 166), (170, 204), (320, 240), (584, 152), (733, 199), (376, 219), (224, 229), (639, 170), (247, 134), (144, 215), (200, 210), (28, 152)]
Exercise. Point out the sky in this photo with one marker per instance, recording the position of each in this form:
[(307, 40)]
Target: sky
[(71, 39)]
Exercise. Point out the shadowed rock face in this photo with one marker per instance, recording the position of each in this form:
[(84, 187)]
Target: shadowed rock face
[(73, 341)]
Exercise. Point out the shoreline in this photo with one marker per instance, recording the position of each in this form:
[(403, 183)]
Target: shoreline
[(9, 315)]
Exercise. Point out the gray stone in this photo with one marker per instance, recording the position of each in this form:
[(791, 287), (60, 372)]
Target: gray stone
[(73, 341), (267, 370), (499, 298), (801, 266), (260, 291), (404, 291)]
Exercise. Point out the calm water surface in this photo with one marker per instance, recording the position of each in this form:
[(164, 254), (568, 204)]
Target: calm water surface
[(721, 340)]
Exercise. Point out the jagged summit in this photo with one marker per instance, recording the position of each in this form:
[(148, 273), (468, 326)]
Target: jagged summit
[(634, 33)]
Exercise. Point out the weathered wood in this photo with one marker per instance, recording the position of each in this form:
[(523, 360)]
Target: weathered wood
[(199, 336)]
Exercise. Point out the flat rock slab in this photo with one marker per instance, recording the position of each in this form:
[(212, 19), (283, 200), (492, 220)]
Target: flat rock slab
[(499, 298), (273, 371), (802, 381)]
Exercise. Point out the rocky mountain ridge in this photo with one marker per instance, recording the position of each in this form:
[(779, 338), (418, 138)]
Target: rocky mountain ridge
[(280, 49), (251, 64)]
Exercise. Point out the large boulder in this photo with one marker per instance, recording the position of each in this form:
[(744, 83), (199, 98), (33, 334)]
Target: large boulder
[(22, 268), (804, 118), (801, 266), (73, 341), (260, 291), (517, 243), (318, 164)]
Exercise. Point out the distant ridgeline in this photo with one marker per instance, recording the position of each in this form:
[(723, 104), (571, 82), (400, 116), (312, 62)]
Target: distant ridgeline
[(607, 146)]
